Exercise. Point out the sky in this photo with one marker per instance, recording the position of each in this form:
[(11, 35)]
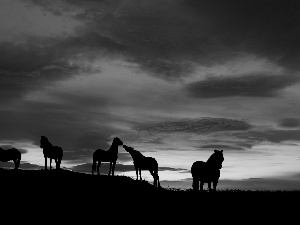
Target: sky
[(175, 79)]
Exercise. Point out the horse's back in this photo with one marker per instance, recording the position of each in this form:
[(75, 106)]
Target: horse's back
[(10, 154), (17, 153), (59, 151), (148, 163), (201, 171), (102, 155), (136, 155), (197, 168), (55, 152)]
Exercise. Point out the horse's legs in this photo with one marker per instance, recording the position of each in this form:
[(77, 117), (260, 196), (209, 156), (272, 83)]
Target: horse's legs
[(201, 185), (109, 168), (55, 160), (50, 163), (45, 163), (195, 184), (140, 173), (94, 165), (15, 162), (18, 163), (154, 178), (215, 185), (98, 166), (113, 168), (209, 186), (157, 179), (137, 172)]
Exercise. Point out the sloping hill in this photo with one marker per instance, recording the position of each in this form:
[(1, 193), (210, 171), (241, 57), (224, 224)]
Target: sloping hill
[(64, 188), (66, 182), (76, 196)]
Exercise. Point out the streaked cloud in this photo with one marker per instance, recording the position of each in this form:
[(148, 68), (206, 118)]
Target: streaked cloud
[(170, 45), (250, 85), (290, 123), (197, 126)]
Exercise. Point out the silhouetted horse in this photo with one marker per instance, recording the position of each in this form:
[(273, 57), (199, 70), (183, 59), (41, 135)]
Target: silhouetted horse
[(142, 162), (207, 172), (11, 154), (52, 152), (111, 155)]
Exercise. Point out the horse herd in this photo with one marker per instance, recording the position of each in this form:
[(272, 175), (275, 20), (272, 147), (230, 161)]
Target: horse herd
[(203, 172)]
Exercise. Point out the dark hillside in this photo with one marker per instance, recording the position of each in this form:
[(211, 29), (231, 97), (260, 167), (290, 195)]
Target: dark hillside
[(69, 192)]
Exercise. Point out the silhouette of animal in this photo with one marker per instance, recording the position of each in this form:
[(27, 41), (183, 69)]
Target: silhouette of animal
[(110, 155), (52, 152), (142, 162), (207, 172), (11, 154)]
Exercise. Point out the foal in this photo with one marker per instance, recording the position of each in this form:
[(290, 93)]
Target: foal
[(142, 162)]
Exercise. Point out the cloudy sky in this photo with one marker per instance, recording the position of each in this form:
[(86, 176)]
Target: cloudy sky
[(175, 79)]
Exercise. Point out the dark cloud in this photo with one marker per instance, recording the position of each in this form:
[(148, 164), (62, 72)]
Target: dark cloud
[(180, 170), (275, 136), (220, 146), (169, 38), (104, 168), (278, 136), (262, 27), (36, 63), (251, 85), (198, 126), (290, 123)]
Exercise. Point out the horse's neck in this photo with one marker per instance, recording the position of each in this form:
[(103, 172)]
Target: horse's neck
[(113, 148), (49, 145), (48, 148), (212, 162), (137, 154)]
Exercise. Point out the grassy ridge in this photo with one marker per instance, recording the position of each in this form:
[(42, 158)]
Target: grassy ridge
[(78, 194)]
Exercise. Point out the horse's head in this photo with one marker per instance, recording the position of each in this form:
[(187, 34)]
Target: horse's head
[(117, 141), (127, 148), (216, 159), (43, 142)]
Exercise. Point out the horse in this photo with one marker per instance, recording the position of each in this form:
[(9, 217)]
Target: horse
[(52, 152), (142, 162), (11, 154), (207, 172), (110, 155)]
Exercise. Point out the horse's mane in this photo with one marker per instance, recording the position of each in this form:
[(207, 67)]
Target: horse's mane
[(116, 141), (216, 158), (44, 142)]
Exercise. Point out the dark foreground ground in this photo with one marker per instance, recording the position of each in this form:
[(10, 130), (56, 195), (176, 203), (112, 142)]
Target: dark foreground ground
[(77, 196)]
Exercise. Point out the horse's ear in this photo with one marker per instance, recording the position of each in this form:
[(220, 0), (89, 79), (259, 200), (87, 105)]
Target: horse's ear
[(215, 150), (222, 150)]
